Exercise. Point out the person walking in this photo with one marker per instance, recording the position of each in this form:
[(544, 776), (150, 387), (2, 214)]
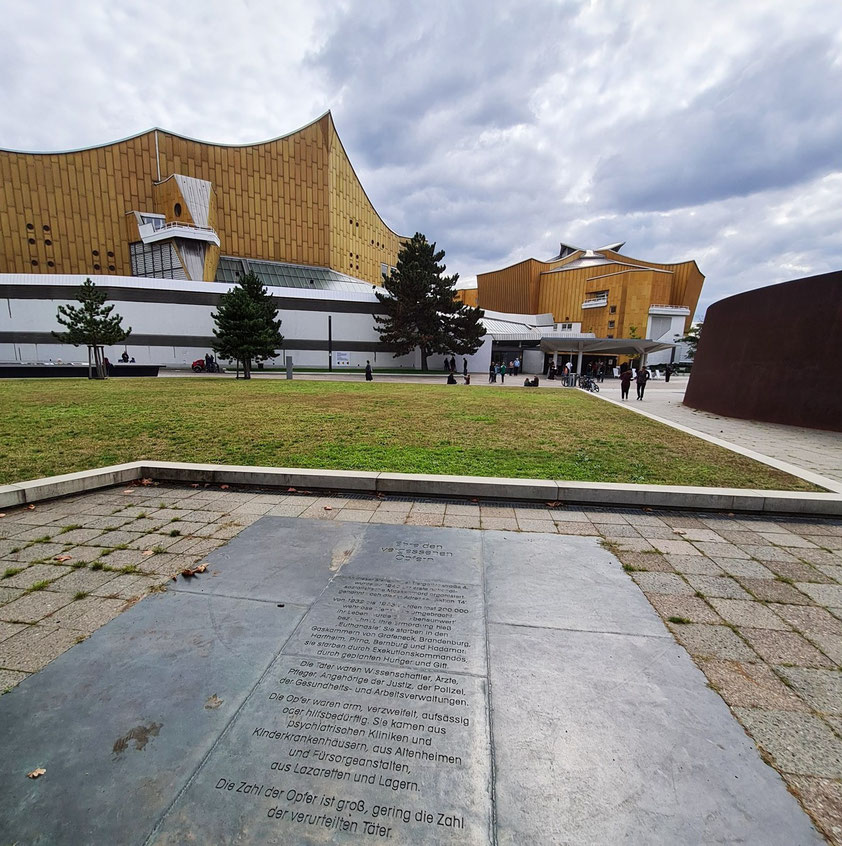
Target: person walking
[(453, 364), (517, 365), (491, 373), (502, 372), (668, 373), (368, 374), (625, 382), (464, 366), (642, 379)]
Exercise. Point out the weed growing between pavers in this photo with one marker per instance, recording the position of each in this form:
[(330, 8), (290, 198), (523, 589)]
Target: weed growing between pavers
[(403, 428)]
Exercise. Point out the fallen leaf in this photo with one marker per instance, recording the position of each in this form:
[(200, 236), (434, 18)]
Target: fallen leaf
[(195, 485), (62, 558), (201, 568), (31, 507), (2, 515), (291, 490), (146, 482), (36, 773), (191, 571), (328, 508), (554, 504), (224, 487), (148, 552), (213, 702), (128, 491)]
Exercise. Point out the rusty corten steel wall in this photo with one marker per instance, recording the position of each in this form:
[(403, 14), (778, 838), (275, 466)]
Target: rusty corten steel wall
[(774, 354)]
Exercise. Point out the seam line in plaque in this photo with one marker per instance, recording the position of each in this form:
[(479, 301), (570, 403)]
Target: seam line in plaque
[(666, 636), (489, 713), (246, 699)]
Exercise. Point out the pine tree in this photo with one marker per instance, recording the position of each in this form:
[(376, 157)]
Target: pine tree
[(91, 324), (692, 339), (247, 324), (421, 306)]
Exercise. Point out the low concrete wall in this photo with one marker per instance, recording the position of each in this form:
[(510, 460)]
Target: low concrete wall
[(470, 487), (774, 355)]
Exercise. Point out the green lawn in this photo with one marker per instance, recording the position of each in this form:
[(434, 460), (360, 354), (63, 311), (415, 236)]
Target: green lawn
[(50, 426)]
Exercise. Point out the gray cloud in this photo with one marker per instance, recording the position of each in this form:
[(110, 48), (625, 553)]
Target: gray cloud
[(708, 131)]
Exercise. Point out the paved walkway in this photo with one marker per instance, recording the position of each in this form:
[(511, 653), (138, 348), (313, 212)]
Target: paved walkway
[(756, 603)]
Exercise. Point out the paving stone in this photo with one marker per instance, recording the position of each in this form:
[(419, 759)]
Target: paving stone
[(535, 526), (9, 629), (38, 552), (822, 594), (288, 509), (254, 506), (183, 545), (693, 534), (796, 571), (164, 563), (798, 743), (721, 550), (819, 557), (821, 688), (822, 797), (668, 584), (87, 615), (772, 590), (77, 536), (82, 580), (111, 523), (686, 607), (789, 540), (8, 594), (31, 533), (705, 641), (741, 536), (607, 517), (10, 679), (581, 530), (34, 647), (35, 573), (744, 685), (744, 567), (571, 516), (130, 587), (720, 586), (314, 512), (673, 547), (617, 530), (662, 532), (86, 554), (767, 553), (123, 558), (695, 564), (359, 516), (397, 518), (742, 612), (650, 562), (679, 521), (154, 541), (809, 619), (32, 607), (777, 647), (632, 544), (118, 538), (835, 572)]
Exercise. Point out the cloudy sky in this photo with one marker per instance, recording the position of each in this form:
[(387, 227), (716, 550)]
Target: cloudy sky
[(704, 129)]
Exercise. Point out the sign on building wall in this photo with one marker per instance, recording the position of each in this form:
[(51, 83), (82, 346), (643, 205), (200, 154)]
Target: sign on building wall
[(343, 359)]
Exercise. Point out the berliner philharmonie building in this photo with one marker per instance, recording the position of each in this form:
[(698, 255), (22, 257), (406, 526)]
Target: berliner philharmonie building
[(166, 224)]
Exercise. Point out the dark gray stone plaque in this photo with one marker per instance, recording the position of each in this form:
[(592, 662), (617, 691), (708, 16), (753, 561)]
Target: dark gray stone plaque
[(342, 683)]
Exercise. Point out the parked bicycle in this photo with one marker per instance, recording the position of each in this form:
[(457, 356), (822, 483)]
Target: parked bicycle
[(588, 384)]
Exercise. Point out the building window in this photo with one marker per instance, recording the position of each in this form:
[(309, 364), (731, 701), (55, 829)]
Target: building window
[(565, 327), (177, 209), (609, 336), (612, 309), (611, 324), (156, 261)]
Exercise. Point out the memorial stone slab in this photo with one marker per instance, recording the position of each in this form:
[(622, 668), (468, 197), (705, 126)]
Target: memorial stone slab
[(359, 683)]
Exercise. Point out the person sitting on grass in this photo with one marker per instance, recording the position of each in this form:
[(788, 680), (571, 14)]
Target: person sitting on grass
[(451, 378)]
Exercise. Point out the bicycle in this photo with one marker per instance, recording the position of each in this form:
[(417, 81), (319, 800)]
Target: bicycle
[(588, 384)]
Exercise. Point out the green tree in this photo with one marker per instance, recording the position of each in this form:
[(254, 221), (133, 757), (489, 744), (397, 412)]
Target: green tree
[(421, 306), (633, 331), (247, 324), (692, 339), (91, 324)]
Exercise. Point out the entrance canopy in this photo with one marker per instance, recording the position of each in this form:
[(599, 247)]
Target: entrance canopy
[(603, 346)]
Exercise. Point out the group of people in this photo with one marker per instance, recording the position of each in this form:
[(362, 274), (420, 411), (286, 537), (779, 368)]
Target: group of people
[(500, 368), (640, 379)]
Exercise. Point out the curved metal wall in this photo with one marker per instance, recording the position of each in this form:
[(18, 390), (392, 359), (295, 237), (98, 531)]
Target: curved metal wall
[(773, 355)]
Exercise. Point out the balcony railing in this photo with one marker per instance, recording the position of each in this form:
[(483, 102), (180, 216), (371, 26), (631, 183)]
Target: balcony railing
[(661, 308), (595, 302)]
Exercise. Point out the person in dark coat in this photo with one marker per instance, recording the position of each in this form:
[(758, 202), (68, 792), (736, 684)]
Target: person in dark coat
[(642, 379), (625, 382), (451, 378), (453, 364), (368, 374), (464, 366), (668, 373)]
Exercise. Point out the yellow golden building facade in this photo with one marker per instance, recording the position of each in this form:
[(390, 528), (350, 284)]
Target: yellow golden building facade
[(610, 294), (163, 206)]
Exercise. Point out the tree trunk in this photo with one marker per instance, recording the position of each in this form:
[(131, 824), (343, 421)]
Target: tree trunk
[(424, 355), (90, 368), (247, 368)]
